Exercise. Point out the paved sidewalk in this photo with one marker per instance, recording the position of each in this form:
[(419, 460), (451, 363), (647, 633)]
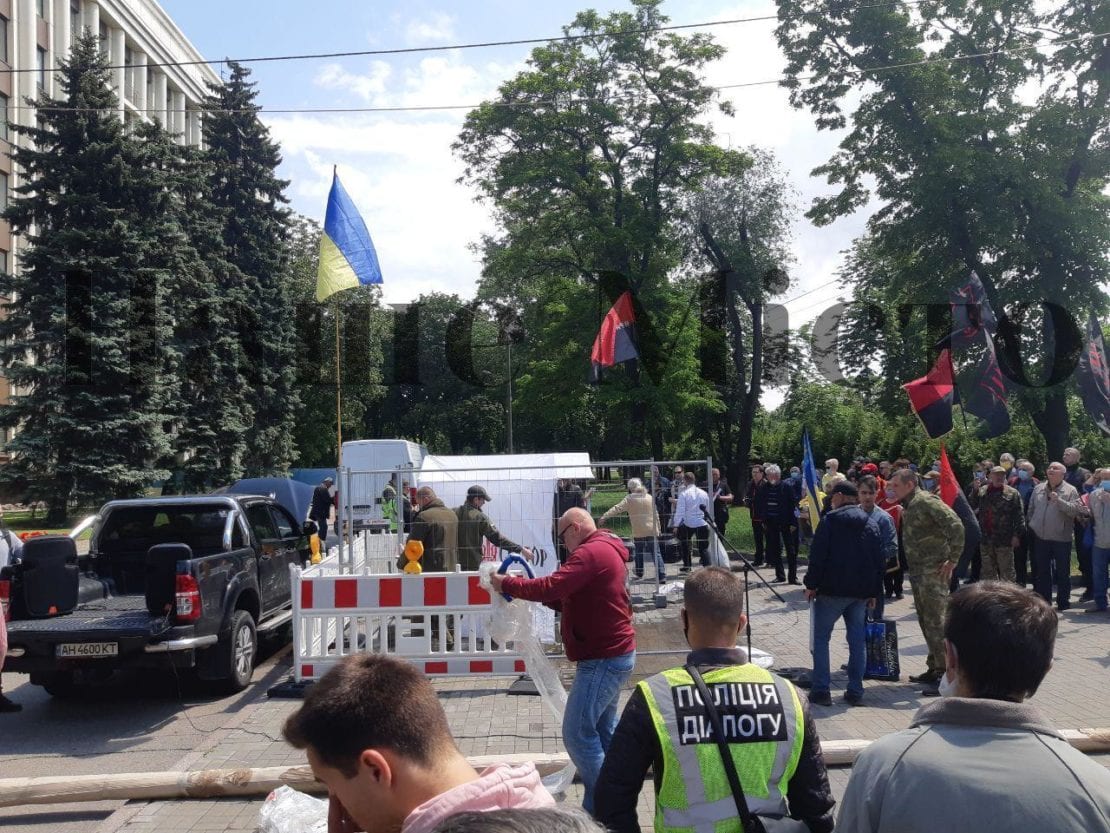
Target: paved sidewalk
[(486, 720)]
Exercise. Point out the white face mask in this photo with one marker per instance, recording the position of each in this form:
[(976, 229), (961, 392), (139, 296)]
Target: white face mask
[(945, 687)]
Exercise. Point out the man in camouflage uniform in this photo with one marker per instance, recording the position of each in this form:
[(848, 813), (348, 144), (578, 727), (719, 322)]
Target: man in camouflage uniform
[(1002, 520), (932, 537)]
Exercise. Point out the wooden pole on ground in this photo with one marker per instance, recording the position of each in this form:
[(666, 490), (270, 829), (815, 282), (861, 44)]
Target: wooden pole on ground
[(260, 781)]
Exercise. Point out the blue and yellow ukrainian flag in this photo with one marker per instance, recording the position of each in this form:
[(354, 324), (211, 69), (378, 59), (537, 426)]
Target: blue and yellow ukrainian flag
[(811, 482), (347, 256)]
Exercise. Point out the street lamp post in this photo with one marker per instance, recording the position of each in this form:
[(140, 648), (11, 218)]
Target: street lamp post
[(509, 402)]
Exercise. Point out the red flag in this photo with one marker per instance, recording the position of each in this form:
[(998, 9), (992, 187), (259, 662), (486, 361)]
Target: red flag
[(931, 396), (949, 488), (616, 340)]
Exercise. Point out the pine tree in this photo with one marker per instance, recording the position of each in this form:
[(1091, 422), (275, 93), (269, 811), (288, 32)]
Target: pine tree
[(247, 195), (80, 341), (210, 403)]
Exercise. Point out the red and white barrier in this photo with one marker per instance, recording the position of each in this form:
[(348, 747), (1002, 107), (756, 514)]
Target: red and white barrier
[(438, 621)]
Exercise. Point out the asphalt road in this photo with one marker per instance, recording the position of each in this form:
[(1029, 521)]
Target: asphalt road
[(135, 723)]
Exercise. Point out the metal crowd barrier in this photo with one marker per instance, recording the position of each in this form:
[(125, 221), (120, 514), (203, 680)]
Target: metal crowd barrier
[(438, 621)]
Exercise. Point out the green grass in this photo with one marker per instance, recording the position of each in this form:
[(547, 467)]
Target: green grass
[(738, 533), (22, 521)]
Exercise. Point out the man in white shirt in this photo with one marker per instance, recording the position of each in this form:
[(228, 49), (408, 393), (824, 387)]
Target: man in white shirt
[(689, 521)]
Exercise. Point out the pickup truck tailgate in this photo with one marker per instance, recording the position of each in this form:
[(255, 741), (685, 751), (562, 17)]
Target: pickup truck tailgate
[(122, 620)]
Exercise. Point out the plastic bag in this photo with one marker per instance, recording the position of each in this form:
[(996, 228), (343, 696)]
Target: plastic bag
[(511, 621), (288, 811), (718, 556)]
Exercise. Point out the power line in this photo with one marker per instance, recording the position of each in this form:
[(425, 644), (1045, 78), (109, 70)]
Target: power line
[(529, 104), (414, 50), (807, 292)]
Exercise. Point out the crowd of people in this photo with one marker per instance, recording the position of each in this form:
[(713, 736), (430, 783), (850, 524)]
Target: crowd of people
[(727, 743), (726, 740)]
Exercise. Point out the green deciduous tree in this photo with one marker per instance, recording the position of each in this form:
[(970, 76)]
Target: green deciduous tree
[(739, 225), (584, 158), (969, 172)]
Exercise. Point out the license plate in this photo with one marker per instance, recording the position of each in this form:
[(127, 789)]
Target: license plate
[(88, 650)]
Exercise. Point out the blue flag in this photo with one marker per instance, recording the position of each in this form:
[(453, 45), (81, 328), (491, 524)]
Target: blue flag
[(811, 481), (347, 256)]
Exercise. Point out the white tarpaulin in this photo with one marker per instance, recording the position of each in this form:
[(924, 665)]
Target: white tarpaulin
[(522, 488)]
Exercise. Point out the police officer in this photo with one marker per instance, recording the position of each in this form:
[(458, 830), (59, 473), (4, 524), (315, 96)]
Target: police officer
[(664, 727)]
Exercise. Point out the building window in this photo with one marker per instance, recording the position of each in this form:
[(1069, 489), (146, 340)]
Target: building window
[(40, 67), (40, 8), (3, 192), (75, 19), (3, 117), (3, 262), (104, 38), (4, 39)]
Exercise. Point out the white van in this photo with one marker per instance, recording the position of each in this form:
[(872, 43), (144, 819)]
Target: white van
[(373, 464)]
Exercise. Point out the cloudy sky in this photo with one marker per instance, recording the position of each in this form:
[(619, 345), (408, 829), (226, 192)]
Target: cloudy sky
[(398, 167)]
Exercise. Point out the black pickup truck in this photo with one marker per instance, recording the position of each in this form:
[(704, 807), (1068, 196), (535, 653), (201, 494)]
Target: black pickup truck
[(187, 582)]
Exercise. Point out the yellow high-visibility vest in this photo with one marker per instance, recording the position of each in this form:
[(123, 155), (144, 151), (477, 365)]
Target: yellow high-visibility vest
[(763, 722)]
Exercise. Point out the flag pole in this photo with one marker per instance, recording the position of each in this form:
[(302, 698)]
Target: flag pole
[(338, 386), (338, 394)]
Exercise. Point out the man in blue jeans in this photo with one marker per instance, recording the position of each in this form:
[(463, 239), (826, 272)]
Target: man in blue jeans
[(844, 579), (596, 626)]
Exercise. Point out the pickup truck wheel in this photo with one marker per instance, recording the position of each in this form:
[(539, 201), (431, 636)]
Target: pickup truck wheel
[(60, 684), (244, 650)]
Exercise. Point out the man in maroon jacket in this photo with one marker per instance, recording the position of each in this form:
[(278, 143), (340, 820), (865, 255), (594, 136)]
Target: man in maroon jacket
[(590, 592)]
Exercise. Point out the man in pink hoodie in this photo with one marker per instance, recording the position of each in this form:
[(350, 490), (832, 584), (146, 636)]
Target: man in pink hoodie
[(376, 735)]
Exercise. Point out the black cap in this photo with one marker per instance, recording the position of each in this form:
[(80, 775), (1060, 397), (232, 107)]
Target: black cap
[(845, 488), (477, 491)]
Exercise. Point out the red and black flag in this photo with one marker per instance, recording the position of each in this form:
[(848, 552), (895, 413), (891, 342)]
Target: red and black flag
[(971, 313), (932, 395), (988, 400), (1094, 377), (616, 340)]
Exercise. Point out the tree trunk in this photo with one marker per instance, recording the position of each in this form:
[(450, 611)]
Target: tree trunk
[(751, 398), (1054, 424)]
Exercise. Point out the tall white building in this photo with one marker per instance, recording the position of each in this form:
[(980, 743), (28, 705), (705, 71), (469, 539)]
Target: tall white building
[(140, 41)]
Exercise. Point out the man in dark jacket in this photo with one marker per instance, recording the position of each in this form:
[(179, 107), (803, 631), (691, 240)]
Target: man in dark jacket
[(776, 504), (762, 728), (474, 525), (722, 500), (568, 495), (320, 508), (844, 579), (597, 632), (437, 527)]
